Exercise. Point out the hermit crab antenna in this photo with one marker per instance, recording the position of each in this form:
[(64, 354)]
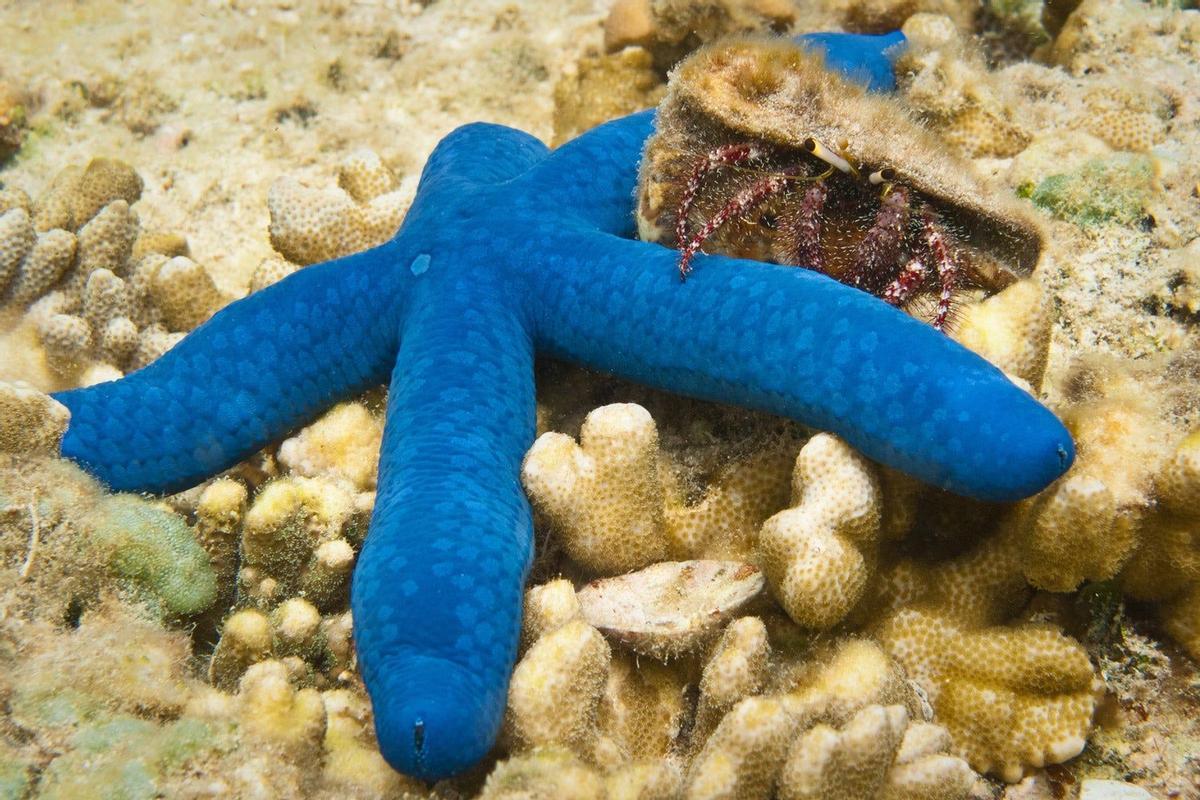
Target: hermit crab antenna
[(728, 155), (831, 158)]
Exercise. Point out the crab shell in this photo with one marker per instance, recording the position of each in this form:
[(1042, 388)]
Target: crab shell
[(775, 91)]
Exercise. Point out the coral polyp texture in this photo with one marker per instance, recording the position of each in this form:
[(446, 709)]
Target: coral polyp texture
[(761, 152), (459, 343), (101, 297)]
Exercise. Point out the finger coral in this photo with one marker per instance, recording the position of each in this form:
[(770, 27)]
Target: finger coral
[(100, 299), (818, 555), (310, 225), (1011, 697), (604, 495), (555, 692), (876, 755), (616, 506)]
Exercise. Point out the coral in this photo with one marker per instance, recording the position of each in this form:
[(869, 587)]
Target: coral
[(603, 496), (602, 87), (1114, 190), (883, 16), (352, 762), (1011, 329), (343, 446), (876, 754), (555, 691), (100, 298), (946, 82), (31, 423), (736, 669), (742, 757), (245, 640), (818, 555), (669, 29), (548, 607), (1011, 697), (273, 711), (672, 607), (641, 715), (1165, 567), (298, 537), (310, 224), (219, 511), (152, 550), (544, 774), (14, 114), (616, 504)]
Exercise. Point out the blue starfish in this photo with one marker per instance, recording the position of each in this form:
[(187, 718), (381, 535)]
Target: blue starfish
[(509, 250)]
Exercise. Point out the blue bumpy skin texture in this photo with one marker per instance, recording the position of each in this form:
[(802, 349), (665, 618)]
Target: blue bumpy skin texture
[(510, 250)]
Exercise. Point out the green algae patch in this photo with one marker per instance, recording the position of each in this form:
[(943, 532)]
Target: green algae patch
[(1115, 189), (128, 758), (154, 552)]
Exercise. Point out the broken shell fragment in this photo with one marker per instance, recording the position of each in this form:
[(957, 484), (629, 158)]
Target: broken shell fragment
[(673, 607)]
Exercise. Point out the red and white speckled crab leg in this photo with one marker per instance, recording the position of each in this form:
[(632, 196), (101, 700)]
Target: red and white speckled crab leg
[(948, 270), (905, 285), (727, 155), (742, 202), (879, 250), (803, 228)]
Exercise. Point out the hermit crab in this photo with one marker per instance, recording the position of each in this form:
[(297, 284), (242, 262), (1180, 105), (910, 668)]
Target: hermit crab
[(761, 152)]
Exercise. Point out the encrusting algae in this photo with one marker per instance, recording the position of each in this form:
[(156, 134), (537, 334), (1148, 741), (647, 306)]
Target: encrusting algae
[(724, 606)]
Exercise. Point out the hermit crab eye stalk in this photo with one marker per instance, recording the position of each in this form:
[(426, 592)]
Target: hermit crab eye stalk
[(885, 175), (831, 158)]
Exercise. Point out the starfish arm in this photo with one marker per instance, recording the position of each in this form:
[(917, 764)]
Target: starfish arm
[(258, 368), (437, 590), (603, 166), (480, 153), (796, 343)]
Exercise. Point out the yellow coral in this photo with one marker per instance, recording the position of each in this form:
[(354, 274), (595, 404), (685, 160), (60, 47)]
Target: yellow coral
[(555, 691), (342, 445), (818, 555), (603, 496), (352, 758), (310, 225), (31, 423), (271, 710), (547, 608), (736, 669), (1011, 697), (544, 774), (1011, 329), (641, 712), (742, 757), (876, 755)]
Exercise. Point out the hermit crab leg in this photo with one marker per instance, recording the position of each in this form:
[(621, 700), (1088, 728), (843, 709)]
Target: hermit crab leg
[(727, 155), (802, 230), (742, 202), (948, 269), (880, 247), (906, 284)]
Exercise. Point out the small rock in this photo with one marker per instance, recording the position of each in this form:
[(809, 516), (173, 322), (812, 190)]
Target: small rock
[(670, 608), (1094, 789)]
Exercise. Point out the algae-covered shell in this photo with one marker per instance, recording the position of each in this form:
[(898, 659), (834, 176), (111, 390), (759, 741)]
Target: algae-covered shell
[(672, 607), (775, 92)]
